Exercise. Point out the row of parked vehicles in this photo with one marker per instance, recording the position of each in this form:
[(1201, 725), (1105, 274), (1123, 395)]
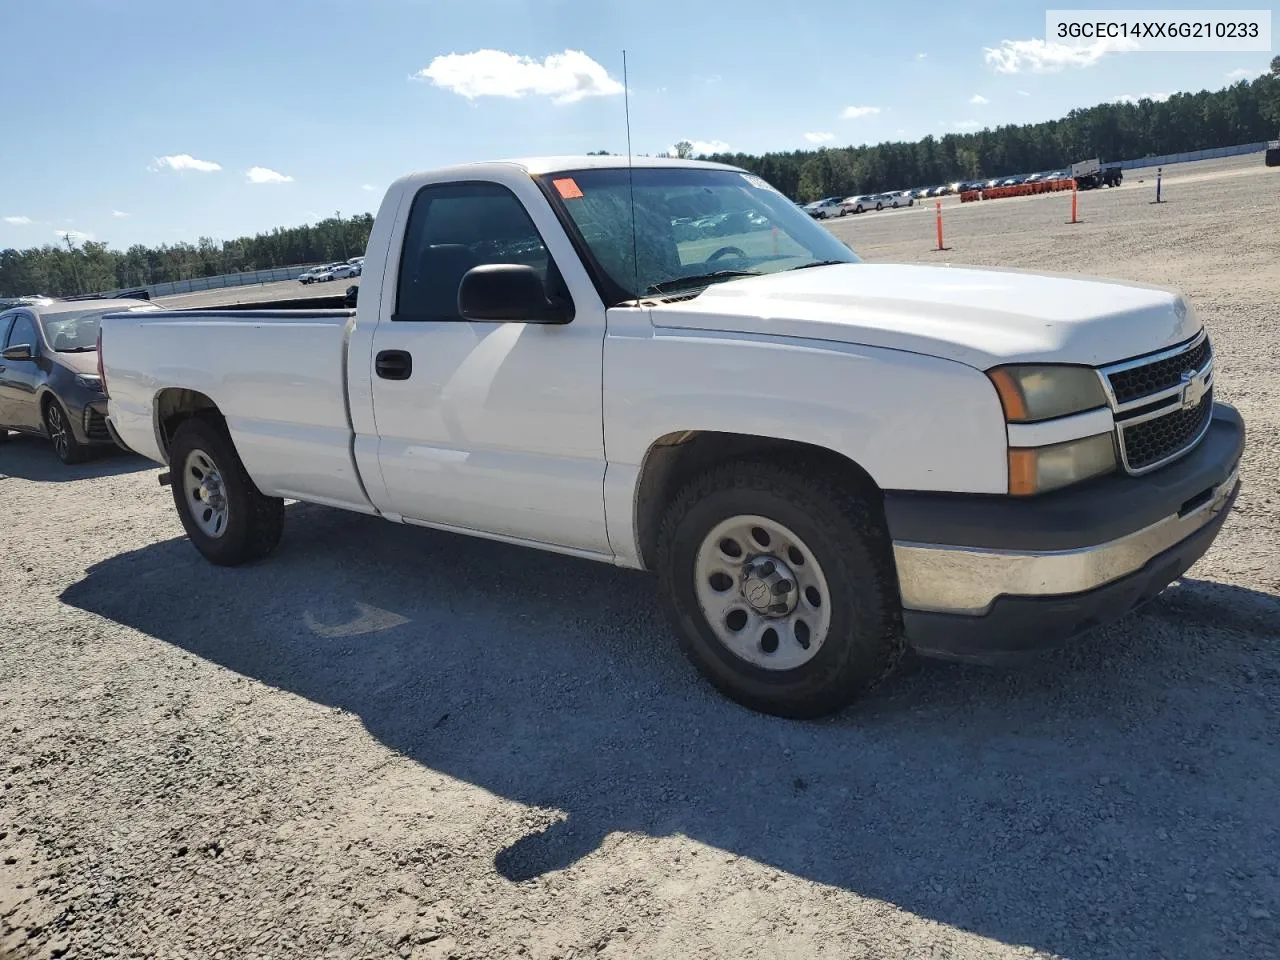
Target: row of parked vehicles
[(829, 207), (333, 271), (1087, 173)]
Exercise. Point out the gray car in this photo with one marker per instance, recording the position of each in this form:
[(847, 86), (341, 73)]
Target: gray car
[(49, 382)]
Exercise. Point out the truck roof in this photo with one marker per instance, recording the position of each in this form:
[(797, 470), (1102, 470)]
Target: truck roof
[(536, 166)]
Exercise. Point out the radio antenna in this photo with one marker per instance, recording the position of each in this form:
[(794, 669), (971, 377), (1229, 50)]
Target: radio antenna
[(631, 180)]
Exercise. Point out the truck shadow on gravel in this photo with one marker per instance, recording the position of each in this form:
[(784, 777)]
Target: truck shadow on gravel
[(1112, 800), (32, 458)]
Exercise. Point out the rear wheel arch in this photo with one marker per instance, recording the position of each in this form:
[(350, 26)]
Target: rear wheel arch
[(676, 458), (173, 406)]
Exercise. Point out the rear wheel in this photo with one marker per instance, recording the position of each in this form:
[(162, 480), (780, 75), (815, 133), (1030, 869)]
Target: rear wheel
[(227, 518), (879, 206), (57, 423), (779, 583)]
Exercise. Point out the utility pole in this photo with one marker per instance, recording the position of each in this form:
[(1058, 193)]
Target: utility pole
[(75, 274), (342, 234)]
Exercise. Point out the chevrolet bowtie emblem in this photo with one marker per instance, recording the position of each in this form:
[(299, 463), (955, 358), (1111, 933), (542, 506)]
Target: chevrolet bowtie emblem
[(1193, 389)]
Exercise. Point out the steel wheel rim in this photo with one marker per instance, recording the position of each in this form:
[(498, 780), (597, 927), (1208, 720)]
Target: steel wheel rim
[(58, 430), (205, 492), (776, 619)]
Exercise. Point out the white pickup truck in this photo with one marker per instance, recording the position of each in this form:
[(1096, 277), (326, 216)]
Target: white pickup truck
[(824, 461)]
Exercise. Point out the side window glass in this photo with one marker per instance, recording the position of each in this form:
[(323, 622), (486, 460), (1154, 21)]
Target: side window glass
[(5, 324), (24, 331), (452, 228)]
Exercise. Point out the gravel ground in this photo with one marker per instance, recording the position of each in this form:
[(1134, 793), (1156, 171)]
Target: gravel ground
[(388, 742)]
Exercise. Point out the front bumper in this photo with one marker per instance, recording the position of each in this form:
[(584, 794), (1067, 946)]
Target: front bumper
[(94, 427), (987, 576)]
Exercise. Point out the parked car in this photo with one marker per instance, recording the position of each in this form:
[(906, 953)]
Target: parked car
[(859, 203), (825, 208), (343, 270), (316, 275), (901, 198), (49, 381), (968, 461)]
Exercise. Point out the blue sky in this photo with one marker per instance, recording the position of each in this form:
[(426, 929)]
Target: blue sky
[(342, 97)]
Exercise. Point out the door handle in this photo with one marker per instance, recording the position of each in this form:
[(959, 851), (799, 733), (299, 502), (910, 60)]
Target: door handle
[(393, 364)]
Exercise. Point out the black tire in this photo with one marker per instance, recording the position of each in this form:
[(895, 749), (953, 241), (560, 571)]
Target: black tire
[(846, 534), (57, 425), (254, 522), (4, 434), (879, 206)]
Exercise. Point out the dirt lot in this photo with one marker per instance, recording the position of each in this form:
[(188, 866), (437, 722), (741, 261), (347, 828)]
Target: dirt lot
[(390, 742)]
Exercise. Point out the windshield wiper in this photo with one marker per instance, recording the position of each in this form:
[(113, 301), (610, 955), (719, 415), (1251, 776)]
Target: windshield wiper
[(679, 283), (820, 263), (78, 350)]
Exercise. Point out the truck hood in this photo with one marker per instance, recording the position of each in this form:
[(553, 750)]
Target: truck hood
[(974, 315)]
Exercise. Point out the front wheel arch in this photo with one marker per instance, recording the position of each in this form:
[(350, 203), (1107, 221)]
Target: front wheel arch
[(676, 457)]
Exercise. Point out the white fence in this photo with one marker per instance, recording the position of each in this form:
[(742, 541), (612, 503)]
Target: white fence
[(1191, 155), (244, 279)]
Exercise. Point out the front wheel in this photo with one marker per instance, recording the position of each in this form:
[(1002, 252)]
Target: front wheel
[(779, 583), (227, 518), (57, 423), (879, 206)]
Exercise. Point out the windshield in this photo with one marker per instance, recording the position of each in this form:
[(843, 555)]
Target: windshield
[(692, 227), (73, 332)]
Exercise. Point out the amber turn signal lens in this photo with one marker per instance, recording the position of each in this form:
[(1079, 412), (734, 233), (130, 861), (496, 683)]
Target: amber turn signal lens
[(1023, 471), (1011, 398)]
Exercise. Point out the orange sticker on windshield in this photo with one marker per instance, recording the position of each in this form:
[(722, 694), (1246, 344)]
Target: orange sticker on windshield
[(568, 188)]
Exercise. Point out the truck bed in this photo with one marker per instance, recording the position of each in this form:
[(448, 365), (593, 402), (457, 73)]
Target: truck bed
[(277, 373)]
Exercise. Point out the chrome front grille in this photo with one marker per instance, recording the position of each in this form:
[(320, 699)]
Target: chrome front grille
[(1162, 403)]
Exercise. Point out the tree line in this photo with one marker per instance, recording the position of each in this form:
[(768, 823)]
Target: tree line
[(91, 266), (1244, 112)]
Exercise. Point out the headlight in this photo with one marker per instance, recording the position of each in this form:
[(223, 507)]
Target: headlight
[(1032, 393), (1040, 469), (89, 382)]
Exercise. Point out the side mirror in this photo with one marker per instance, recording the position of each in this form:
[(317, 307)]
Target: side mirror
[(509, 292), (20, 351), (353, 292)]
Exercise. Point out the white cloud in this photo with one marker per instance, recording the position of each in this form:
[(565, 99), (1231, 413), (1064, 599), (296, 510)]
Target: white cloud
[(853, 113), (18, 221), (1130, 98), (921, 56), (76, 236), (1247, 73), (184, 161), (1024, 93), (565, 77), (821, 137), (266, 175), (119, 214), (368, 187), (1037, 56), (978, 99), (966, 124)]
